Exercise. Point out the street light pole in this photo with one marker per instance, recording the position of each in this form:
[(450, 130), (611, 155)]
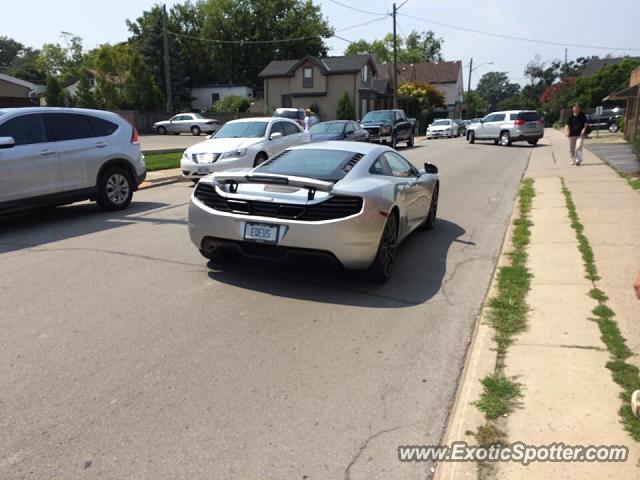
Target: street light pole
[(470, 70), (395, 60)]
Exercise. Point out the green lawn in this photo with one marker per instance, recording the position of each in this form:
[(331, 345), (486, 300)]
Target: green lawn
[(162, 161)]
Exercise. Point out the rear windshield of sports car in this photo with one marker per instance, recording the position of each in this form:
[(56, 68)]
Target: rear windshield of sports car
[(327, 165), (242, 130)]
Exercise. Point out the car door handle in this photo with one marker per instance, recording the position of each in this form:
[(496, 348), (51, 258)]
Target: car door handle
[(100, 145), (47, 152)]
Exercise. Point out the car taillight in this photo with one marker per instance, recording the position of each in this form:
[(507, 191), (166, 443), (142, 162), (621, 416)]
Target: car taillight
[(519, 122), (134, 136)]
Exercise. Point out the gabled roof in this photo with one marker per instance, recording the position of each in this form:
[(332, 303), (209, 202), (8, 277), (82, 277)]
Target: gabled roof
[(328, 65), (441, 72), (16, 81), (595, 64)]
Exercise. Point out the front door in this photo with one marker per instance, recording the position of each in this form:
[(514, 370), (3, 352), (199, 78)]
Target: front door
[(31, 168)]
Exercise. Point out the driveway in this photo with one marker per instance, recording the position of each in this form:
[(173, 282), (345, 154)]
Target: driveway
[(124, 355)]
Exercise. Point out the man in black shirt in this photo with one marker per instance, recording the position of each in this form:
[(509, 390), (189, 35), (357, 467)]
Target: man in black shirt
[(576, 130)]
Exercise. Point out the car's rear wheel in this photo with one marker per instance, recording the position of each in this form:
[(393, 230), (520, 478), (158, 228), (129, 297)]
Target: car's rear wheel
[(380, 270), (471, 137), (533, 143), (115, 189), (162, 130), (433, 209), (613, 127), (195, 131), (505, 139), (260, 158)]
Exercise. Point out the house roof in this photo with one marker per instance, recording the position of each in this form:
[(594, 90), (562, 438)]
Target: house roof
[(595, 64), (16, 81), (329, 65), (427, 72)]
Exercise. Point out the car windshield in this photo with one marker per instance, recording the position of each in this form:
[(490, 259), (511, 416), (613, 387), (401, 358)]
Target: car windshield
[(438, 123), (328, 165), (327, 127), (242, 130), (378, 117), (292, 114)]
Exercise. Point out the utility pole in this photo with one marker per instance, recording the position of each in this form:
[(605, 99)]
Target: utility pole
[(167, 70), (470, 70), (395, 60), (565, 64)]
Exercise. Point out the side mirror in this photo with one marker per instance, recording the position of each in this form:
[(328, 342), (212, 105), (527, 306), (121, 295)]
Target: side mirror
[(275, 135), (430, 168), (7, 142)]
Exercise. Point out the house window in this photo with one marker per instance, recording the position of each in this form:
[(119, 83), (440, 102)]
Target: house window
[(307, 77), (365, 74)]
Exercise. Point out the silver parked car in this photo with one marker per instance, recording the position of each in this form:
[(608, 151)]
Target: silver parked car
[(507, 127), (193, 123), (443, 127), (57, 156), (241, 143), (350, 201)]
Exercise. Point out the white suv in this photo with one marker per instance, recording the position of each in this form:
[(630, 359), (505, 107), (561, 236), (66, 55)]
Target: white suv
[(507, 127), (57, 156)]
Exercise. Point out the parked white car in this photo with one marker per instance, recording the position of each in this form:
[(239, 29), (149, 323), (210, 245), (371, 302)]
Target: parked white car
[(57, 156), (193, 123), (243, 143), (442, 128)]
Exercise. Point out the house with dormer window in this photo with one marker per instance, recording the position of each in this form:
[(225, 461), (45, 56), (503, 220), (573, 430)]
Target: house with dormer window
[(322, 81)]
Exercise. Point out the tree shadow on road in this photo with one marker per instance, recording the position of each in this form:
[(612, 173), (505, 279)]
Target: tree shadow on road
[(33, 228), (421, 264)]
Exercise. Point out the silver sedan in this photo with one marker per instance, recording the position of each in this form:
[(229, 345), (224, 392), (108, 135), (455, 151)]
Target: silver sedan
[(351, 202), (193, 123)]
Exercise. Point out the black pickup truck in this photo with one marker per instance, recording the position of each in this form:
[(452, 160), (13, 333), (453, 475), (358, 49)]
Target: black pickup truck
[(390, 127)]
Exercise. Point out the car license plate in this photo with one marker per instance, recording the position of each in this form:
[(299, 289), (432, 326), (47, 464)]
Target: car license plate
[(260, 232), (203, 170)]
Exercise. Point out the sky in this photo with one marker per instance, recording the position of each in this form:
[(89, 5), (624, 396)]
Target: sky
[(580, 22)]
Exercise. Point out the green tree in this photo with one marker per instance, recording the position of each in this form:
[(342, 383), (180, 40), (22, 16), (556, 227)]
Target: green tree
[(54, 94), (345, 108), (475, 105), (590, 91), (427, 96), (415, 48), (495, 87), (84, 97), (232, 103), (56, 60), (260, 21), (9, 50)]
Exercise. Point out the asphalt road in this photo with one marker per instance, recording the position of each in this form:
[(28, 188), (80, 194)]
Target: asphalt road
[(123, 355)]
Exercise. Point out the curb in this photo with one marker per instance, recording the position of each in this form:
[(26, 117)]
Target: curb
[(165, 150), (161, 182)]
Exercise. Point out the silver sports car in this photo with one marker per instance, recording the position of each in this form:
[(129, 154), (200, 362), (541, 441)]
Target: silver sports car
[(352, 202)]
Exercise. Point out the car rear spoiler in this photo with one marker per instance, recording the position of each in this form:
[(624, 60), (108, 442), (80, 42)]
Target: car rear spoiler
[(311, 184)]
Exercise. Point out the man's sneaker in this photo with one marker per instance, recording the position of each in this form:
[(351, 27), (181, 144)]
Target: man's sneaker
[(635, 403)]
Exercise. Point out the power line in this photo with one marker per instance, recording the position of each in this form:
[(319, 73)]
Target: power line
[(281, 40), (358, 9), (512, 37)]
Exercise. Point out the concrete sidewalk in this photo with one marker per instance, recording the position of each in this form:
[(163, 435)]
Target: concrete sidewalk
[(560, 360)]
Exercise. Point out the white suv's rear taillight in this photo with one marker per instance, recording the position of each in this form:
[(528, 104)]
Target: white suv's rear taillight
[(134, 136)]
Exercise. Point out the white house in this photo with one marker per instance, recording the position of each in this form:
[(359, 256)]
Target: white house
[(205, 96)]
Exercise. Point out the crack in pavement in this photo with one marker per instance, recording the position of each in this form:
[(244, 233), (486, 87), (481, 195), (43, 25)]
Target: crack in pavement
[(365, 444)]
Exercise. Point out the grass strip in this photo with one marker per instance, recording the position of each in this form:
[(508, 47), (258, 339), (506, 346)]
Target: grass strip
[(624, 374), (507, 315), (162, 161)]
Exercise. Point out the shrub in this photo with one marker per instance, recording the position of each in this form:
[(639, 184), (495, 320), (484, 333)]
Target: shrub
[(345, 109), (232, 103)]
